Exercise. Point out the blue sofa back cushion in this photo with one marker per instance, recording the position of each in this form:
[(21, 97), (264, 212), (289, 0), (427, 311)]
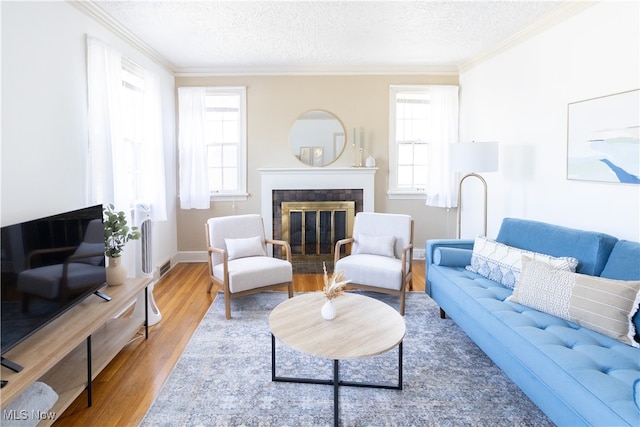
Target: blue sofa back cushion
[(624, 264), (592, 249)]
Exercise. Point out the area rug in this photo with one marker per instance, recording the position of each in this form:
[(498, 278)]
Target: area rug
[(223, 378)]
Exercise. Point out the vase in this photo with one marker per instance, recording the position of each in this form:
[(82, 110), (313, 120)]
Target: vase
[(370, 162), (116, 272), (328, 310)]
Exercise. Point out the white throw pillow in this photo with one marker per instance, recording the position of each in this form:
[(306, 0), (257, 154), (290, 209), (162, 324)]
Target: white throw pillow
[(376, 245), (603, 305), (502, 263), (245, 247)]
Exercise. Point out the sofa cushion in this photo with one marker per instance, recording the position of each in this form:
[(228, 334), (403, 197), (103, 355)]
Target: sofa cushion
[(452, 257), (624, 264), (624, 261), (592, 249), (603, 305), (502, 263)]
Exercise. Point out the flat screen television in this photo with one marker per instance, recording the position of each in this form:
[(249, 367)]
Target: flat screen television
[(48, 265)]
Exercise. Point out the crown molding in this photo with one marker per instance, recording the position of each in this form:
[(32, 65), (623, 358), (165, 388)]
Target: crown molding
[(89, 8), (560, 14), (448, 70)]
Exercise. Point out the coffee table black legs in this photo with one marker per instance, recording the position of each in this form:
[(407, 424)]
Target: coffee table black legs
[(336, 382)]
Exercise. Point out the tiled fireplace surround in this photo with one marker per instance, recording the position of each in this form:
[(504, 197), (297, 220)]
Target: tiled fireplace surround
[(313, 184)]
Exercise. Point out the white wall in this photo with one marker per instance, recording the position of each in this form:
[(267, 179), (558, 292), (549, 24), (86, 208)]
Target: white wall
[(44, 114), (519, 98)]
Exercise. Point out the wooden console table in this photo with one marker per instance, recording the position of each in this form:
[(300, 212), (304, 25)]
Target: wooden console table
[(57, 353)]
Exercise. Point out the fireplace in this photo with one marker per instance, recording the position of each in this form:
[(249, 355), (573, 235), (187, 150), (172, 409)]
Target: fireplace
[(313, 185), (313, 228)]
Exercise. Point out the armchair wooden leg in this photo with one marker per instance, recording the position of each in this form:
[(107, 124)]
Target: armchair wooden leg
[(402, 298), (227, 307), (443, 315), (290, 289)]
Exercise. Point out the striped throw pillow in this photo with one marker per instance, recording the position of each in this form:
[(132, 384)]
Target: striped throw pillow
[(603, 305)]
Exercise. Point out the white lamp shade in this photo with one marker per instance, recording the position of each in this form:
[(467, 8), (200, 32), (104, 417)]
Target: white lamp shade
[(466, 157)]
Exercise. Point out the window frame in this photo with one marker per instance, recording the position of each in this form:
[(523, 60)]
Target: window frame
[(240, 193), (394, 192)]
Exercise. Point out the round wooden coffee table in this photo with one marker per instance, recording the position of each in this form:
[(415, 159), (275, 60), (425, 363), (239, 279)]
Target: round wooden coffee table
[(363, 327)]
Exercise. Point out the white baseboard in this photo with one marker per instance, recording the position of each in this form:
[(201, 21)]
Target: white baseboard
[(201, 256), (191, 256)]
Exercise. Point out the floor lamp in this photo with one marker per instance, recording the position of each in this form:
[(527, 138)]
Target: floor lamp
[(470, 158)]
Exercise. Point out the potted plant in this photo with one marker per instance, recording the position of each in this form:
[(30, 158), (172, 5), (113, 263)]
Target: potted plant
[(116, 234)]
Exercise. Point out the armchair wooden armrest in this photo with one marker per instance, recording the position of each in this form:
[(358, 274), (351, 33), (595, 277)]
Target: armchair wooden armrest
[(286, 246), (339, 244), (407, 258)]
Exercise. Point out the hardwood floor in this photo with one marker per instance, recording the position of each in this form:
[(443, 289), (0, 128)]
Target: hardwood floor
[(126, 388)]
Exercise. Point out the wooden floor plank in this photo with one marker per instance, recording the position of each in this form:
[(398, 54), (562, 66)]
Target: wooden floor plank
[(126, 388)]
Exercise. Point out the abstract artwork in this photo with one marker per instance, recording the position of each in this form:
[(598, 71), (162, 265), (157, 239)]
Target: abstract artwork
[(603, 139)]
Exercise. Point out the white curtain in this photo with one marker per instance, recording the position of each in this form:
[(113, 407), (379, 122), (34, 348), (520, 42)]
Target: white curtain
[(441, 191), (152, 160), (194, 182), (108, 180), (104, 79)]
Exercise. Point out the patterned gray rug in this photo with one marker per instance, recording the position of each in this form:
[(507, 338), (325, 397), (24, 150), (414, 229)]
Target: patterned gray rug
[(223, 378)]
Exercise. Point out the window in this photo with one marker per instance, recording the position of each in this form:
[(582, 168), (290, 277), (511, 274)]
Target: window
[(132, 97), (225, 139), (125, 161), (423, 120)]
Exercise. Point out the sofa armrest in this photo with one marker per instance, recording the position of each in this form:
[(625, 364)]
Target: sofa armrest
[(434, 244)]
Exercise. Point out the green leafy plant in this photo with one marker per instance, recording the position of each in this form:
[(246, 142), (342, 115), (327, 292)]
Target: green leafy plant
[(116, 232)]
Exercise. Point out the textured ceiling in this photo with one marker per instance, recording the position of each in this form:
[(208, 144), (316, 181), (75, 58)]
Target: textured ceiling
[(325, 36)]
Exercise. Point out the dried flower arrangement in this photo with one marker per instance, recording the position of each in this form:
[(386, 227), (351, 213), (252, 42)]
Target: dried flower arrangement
[(335, 287)]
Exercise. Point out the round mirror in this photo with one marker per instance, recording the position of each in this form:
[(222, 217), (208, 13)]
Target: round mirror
[(317, 138)]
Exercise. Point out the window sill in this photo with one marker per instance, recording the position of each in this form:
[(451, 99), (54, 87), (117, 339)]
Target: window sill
[(406, 195), (236, 197)]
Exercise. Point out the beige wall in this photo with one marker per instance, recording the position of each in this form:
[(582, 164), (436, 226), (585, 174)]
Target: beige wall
[(274, 103)]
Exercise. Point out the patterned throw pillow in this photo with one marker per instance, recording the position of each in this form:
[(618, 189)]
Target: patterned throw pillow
[(603, 305), (502, 263)]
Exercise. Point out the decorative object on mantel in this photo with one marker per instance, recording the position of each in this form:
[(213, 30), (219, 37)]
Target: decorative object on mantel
[(116, 234), (357, 151), (471, 158), (370, 162), (332, 289), (603, 143)]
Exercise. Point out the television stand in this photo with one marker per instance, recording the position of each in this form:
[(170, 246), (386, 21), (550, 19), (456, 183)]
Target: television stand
[(57, 354), (11, 365)]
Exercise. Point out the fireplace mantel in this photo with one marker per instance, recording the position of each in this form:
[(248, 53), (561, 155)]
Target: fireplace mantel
[(314, 179)]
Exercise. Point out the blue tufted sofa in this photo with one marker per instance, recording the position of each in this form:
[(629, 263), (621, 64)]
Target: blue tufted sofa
[(573, 374)]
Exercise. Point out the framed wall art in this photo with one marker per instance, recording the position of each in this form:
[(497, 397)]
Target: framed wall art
[(603, 139), (305, 155), (318, 156)]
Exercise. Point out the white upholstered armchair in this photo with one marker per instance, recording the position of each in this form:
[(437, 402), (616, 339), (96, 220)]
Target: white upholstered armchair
[(238, 260), (381, 253)]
